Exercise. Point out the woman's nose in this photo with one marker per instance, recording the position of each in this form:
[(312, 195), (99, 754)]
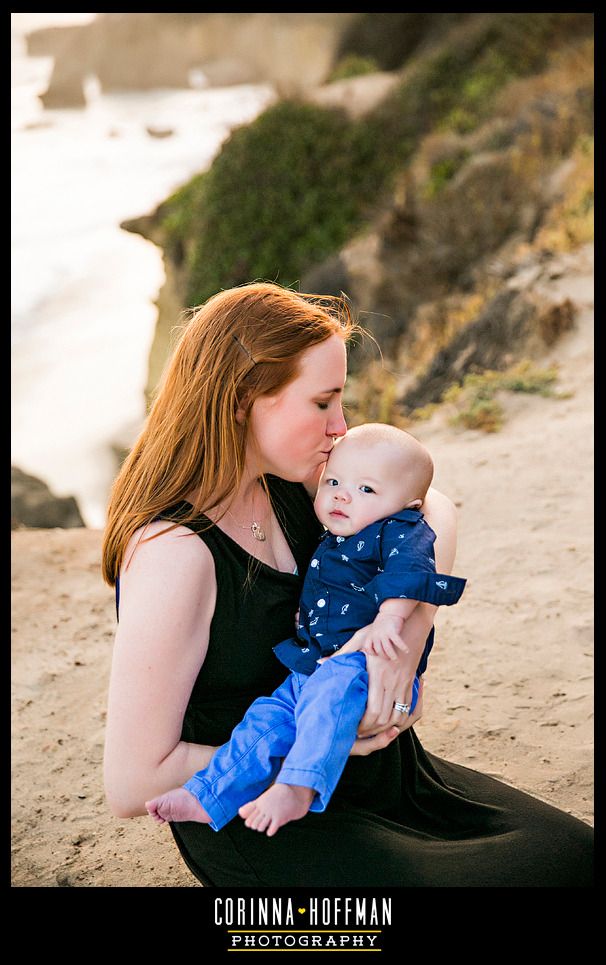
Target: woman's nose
[(337, 426)]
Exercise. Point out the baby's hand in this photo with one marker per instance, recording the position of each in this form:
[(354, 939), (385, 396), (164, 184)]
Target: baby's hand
[(382, 637)]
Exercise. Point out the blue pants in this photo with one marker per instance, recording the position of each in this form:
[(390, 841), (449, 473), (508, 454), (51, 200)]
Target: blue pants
[(309, 721)]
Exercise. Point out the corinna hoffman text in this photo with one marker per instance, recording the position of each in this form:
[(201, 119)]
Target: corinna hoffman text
[(303, 913)]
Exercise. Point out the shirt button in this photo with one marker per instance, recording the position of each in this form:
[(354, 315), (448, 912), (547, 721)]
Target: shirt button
[(321, 603)]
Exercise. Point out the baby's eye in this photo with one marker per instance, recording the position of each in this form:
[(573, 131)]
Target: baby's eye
[(331, 482), (367, 488), (322, 405)]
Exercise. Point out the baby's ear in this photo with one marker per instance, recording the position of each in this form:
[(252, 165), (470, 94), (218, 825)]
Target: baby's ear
[(414, 504)]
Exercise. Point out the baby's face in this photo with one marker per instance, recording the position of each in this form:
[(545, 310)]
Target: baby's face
[(358, 486)]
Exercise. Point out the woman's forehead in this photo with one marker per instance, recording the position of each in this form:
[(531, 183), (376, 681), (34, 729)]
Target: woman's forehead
[(325, 363)]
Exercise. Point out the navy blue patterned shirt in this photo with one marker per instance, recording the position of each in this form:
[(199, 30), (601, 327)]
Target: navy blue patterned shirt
[(350, 576)]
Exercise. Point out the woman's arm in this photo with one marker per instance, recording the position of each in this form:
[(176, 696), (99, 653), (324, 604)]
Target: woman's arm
[(392, 680), (441, 514), (167, 600)]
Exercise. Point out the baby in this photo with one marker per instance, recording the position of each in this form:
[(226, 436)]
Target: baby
[(372, 566)]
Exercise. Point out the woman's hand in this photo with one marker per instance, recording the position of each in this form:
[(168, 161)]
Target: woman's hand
[(389, 681), (366, 745)]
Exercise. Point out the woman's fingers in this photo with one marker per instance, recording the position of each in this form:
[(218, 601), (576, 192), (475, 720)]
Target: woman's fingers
[(381, 713), (398, 718), (385, 688), (417, 713), (367, 745), (388, 711), (369, 722)]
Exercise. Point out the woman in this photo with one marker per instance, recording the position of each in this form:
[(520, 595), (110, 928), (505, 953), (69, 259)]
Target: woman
[(210, 531)]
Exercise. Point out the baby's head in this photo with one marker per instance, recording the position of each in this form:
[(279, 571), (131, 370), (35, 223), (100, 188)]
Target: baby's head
[(372, 472)]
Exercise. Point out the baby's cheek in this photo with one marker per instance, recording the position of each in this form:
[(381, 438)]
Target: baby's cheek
[(320, 506)]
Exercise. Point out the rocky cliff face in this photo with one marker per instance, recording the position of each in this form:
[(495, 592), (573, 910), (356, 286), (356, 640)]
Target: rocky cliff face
[(441, 273), (442, 270), (292, 51)]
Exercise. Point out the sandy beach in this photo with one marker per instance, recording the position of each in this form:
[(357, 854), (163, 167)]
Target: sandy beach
[(509, 688)]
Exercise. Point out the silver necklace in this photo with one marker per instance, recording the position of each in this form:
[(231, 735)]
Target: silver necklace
[(255, 527)]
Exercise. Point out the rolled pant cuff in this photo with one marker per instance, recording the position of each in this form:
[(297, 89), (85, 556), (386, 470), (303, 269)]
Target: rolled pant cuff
[(303, 778), (209, 802)]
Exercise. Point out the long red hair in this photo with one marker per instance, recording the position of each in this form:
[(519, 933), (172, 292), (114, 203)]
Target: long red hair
[(242, 343)]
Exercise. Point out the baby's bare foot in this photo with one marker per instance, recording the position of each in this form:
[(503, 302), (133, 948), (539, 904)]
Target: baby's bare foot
[(177, 805), (278, 805)]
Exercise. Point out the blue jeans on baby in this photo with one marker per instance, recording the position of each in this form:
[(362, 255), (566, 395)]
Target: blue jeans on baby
[(309, 721)]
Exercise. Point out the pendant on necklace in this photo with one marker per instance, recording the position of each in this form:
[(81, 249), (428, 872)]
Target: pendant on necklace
[(258, 532)]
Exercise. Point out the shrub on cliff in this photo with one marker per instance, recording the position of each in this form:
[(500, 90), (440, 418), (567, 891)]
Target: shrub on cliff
[(352, 66), (283, 193)]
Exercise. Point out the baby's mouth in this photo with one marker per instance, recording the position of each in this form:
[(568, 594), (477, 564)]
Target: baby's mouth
[(337, 512)]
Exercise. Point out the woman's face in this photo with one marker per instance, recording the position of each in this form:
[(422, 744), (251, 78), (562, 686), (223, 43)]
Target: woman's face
[(294, 429)]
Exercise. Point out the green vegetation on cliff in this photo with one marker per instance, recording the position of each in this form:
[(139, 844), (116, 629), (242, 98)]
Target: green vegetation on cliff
[(290, 189), (284, 192), (352, 66)]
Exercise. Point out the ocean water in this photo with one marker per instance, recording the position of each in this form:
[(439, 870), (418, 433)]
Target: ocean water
[(82, 313)]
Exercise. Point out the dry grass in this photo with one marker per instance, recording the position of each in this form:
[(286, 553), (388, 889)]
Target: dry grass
[(474, 403), (570, 68), (570, 223), (436, 323), (373, 397)]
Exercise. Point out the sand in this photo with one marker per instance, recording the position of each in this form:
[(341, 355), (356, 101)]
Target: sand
[(509, 689)]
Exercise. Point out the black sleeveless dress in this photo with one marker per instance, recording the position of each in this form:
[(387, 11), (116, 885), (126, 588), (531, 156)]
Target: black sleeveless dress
[(400, 816)]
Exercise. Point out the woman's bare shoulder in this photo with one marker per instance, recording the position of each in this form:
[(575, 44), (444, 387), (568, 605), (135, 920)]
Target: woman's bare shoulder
[(155, 543), (175, 569), (171, 577)]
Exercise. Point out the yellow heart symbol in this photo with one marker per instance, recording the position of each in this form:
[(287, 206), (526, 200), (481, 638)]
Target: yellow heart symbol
[(301, 910)]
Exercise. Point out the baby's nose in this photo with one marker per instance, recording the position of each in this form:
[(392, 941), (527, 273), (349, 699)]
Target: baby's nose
[(343, 495)]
